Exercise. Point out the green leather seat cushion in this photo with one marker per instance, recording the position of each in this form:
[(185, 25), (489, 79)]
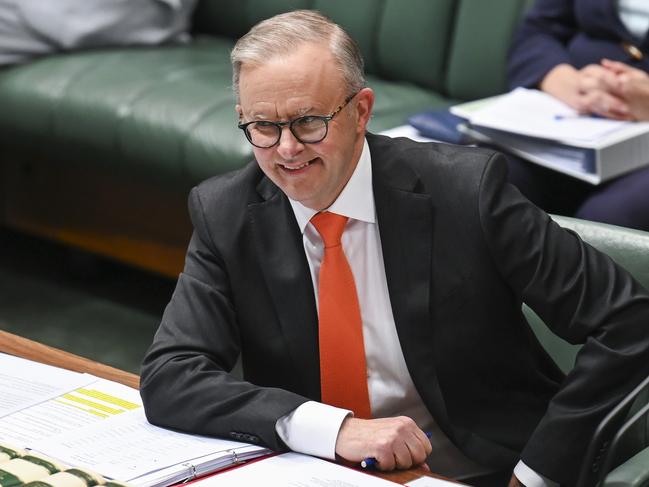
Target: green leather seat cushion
[(120, 106)]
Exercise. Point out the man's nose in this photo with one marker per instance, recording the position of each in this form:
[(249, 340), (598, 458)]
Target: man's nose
[(288, 146)]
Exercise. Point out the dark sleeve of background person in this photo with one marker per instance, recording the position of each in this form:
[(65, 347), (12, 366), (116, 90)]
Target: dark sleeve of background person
[(540, 42)]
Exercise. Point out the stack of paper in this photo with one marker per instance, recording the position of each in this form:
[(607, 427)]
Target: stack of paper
[(538, 127), (92, 423), (294, 470), (297, 470)]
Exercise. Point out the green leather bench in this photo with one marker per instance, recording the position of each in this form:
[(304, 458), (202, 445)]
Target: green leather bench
[(99, 148)]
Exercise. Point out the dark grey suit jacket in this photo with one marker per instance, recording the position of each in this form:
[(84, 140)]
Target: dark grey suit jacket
[(462, 250)]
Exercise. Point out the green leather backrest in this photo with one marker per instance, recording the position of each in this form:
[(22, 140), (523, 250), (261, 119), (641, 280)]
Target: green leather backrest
[(413, 41), (233, 18), (480, 42), (457, 48)]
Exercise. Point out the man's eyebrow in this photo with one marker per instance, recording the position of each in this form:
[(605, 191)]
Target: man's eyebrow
[(303, 111), (300, 112), (260, 115)]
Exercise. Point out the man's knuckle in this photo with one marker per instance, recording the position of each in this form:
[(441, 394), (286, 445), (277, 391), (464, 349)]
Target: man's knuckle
[(384, 445), (404, 423)]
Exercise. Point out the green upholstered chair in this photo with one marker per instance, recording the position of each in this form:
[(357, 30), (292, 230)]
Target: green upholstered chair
[(630, 249)]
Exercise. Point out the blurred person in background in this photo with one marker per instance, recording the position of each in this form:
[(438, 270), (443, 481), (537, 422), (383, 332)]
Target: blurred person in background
[(592, 55), (33, 28)]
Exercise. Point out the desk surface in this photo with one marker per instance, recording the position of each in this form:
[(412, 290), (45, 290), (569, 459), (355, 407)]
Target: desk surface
[(29, 349)]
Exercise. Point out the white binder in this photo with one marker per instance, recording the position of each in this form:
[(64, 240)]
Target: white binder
[(539, 128)]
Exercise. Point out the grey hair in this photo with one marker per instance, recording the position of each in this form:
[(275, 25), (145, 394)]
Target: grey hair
[(283, 33)]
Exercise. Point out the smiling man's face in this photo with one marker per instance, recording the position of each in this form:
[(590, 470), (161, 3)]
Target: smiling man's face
[(306, 82)]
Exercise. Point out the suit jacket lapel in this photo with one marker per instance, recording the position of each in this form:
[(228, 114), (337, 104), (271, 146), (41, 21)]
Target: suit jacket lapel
[(285, 269), (406, 219)]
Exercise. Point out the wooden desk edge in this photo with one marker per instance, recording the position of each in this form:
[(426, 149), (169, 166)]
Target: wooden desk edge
[(29, 349)]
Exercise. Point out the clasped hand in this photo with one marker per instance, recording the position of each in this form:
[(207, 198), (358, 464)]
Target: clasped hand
[(394, 442), (611, 89)]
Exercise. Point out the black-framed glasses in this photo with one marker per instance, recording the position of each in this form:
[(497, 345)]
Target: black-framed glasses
[(309, 129)]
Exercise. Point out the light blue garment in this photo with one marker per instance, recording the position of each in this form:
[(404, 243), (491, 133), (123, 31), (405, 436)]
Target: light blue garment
[(635, 16), (31, 28)]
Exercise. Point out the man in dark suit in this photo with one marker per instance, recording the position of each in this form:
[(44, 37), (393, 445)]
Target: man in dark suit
[(442, 253)]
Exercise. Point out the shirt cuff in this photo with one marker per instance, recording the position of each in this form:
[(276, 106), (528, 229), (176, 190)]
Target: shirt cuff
[(529, 478), (312, 428)]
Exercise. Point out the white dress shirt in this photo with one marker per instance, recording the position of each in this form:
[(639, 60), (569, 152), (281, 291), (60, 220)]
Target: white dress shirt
[(313, 427), (634, 14)]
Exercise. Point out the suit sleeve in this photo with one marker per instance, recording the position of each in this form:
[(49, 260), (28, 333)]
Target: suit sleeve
[(584, 297), (540, 42), (186, 382)]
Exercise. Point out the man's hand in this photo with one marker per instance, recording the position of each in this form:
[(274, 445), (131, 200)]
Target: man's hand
[(394, 442)]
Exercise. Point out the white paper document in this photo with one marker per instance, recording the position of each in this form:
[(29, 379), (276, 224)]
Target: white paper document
[(430, 482), (86, 405), (126, 447), (537, 114), (538, 127), (406, 131), (293, 470), (24, 383)]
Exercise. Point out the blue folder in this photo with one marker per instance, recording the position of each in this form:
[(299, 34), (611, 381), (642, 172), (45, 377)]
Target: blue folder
[(439, 125)]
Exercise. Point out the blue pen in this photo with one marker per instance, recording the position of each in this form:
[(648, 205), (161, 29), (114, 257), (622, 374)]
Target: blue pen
[(576, 116), (371, 462)]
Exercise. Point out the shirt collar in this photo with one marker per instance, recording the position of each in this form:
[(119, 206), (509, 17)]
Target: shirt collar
[(355, 201)]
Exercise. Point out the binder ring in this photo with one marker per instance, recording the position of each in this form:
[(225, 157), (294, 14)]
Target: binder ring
[(192, 472), (235, 457)]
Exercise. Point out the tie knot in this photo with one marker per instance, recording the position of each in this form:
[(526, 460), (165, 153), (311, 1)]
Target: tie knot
[(330, 227)]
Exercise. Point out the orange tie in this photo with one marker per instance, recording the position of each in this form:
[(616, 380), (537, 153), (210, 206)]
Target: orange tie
[(343, 373)]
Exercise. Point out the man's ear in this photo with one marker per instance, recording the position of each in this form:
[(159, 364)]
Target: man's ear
[(364, 105), (239, 111)]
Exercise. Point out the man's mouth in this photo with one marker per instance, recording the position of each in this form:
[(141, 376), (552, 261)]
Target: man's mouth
[(297, 167)]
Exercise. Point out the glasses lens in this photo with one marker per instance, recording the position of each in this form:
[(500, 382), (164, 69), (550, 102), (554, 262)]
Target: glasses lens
[(309, 129), (263, 134)]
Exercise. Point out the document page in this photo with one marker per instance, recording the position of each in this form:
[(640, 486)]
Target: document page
[(293, 470), (406, 131), (537, 114), (90, 404), (127, 446), (24, 383), (430, 482)]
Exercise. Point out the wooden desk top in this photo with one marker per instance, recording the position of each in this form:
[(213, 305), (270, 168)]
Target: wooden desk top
[(29, 349)]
